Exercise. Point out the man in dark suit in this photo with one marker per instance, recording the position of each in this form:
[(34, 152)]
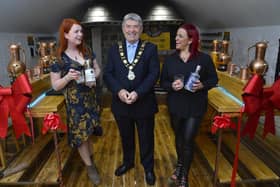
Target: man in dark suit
[(131, 73)]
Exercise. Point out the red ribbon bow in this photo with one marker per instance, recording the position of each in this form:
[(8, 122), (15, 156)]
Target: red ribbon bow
[(257, 100), (52, 121), (221, 122), (13, 102)]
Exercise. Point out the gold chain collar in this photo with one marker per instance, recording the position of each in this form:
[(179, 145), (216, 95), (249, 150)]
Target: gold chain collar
[(131, 65)]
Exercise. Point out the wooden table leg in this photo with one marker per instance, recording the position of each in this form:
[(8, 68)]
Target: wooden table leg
[(58, 159), (2, 156), (216, 172)]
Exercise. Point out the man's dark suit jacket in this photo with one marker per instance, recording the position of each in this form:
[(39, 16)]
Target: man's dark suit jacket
[(147, 73)]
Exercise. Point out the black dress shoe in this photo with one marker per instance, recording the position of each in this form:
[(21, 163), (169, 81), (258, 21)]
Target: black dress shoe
[(150, 177), (123, 169)]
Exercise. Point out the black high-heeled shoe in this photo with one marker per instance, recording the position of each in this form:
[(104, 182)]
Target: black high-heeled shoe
[(177, 172), (183, 182)]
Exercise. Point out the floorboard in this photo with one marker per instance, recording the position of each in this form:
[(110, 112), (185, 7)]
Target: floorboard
[(108, 156)]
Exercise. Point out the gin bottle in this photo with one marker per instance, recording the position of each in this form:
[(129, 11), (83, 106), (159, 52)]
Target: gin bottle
[(192, 79), (89, 72)]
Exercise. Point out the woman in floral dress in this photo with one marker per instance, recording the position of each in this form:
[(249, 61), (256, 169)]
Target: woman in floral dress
[(81, 106)]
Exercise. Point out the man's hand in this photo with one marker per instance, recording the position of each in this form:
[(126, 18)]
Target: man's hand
[(123, 95), (132, 97)]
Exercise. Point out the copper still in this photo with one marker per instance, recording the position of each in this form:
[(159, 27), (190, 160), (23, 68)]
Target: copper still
[(215, 53), (244, 73), (44, 57), (224, 57), (258, 65), (233, 69), (52, 51), (16, 66)]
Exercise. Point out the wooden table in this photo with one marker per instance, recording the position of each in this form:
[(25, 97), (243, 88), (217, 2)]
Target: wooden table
[(51, 104), (222, 104), (226, 99), (225, 102)]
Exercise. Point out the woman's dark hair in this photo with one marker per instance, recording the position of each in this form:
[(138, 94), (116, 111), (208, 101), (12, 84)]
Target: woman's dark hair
[(194, 35)]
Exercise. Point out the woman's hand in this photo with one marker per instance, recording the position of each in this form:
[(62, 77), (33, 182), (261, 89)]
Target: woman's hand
[(72, 75), (177, 85), (197, 86)]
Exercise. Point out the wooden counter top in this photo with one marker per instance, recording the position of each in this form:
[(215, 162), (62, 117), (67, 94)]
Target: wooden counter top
[(47, 105), (40, 85), (221, 102)]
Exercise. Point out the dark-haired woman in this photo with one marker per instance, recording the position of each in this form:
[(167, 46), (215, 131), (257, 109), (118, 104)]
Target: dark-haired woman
[(186, 107)]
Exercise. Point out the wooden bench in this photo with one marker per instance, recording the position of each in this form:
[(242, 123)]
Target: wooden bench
[(28, 156), (208, 148), (49, 174), (267, 149), (252, 162), (48, 104)]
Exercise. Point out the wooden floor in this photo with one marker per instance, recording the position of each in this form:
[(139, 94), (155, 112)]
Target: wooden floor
[(108, 155)]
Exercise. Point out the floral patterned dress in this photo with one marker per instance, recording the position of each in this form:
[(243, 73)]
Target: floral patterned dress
[(81, 104)]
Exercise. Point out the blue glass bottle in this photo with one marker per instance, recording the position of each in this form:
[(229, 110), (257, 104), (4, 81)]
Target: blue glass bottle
[(192, 79)]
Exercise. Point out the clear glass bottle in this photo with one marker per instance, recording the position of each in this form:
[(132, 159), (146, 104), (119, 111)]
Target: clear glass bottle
[(192, 79), (89, 72)]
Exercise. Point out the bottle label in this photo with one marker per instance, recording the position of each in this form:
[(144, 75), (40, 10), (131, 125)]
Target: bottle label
[(192, 79), (89, 75)]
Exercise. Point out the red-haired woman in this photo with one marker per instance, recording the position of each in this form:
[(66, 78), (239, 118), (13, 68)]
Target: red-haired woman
[(186, 107), (80, 97)]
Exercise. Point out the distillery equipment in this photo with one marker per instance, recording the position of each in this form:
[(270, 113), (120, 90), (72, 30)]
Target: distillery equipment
[(215, 53), (16, 66), (258, 65), (224, 57), (44, 57)]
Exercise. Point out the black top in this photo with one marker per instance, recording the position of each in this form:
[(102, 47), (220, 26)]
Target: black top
[(185, 103)]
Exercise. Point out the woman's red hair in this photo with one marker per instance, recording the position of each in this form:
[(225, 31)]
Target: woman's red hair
[(65, 28), (194, 35)]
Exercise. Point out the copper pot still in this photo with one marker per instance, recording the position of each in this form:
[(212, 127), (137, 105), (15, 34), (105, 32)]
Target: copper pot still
[(43, 49), (215, 53), (16, 66), (233, 69), (258, 65), (44, 57), (244, 73), (52, 48), (224, 57), (52, 51)]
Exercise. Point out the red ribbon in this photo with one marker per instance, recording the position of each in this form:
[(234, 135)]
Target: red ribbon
[(257, 100), (53, 121), (221, 122), (13, 102), (235, 162)]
